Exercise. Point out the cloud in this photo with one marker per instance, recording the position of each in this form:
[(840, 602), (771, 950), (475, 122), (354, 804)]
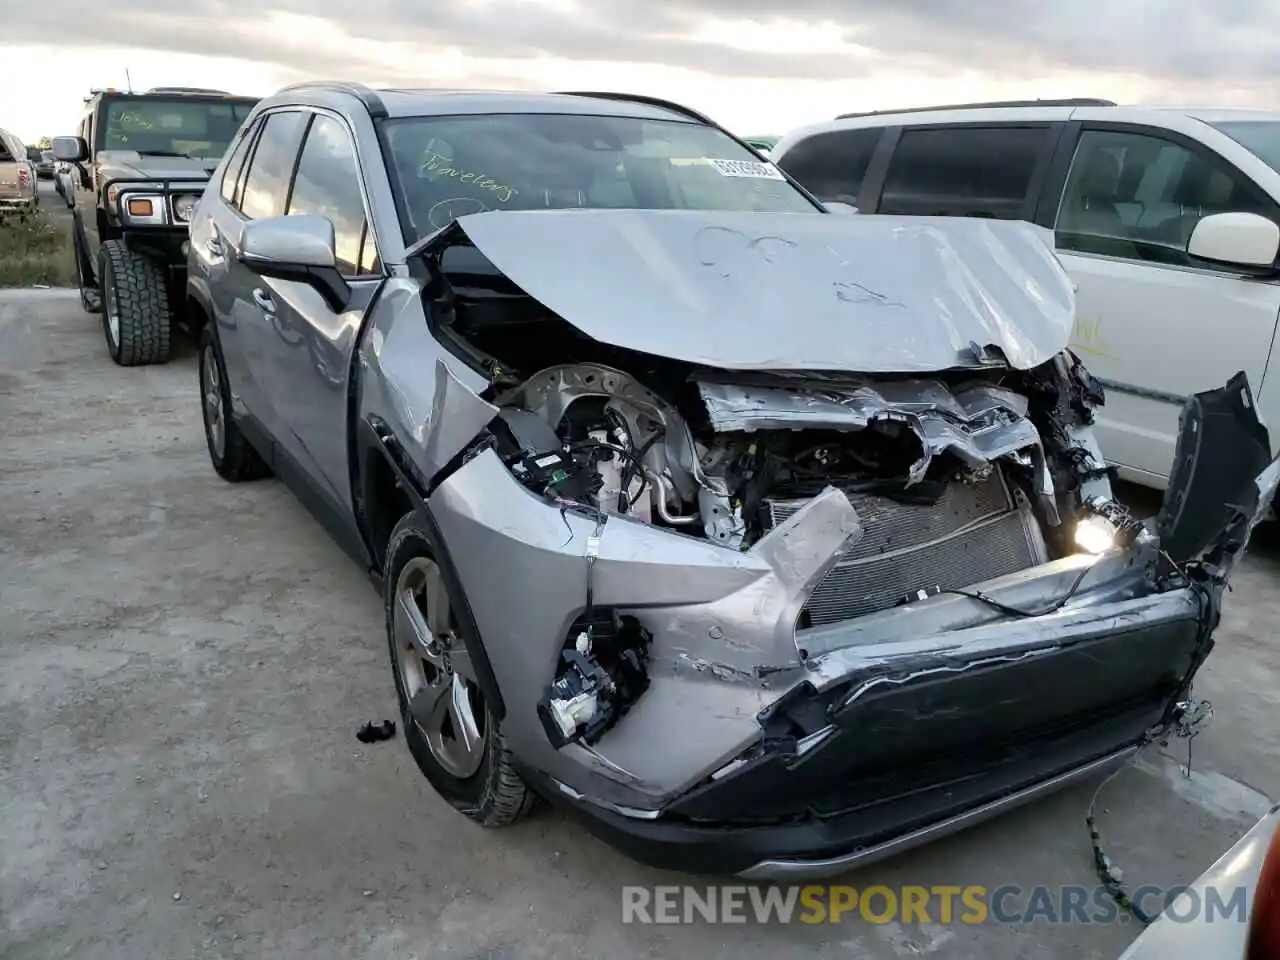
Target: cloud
[(1228, 41), (1173, 40)]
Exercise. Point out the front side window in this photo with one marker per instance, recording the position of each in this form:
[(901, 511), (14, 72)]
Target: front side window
[(963, 171), (448, 167), (327, 184), (267, 182), (832, 165), (177, 127), (1139, 196)]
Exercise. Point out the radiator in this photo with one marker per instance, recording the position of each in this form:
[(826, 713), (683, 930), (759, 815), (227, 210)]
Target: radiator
[(975, 532)]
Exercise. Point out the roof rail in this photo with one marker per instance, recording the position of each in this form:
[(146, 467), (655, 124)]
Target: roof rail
[(641, 98), (216, 93), (988, 105), (366, 95)]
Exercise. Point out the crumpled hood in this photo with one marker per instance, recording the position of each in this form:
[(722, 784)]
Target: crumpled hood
[(790, 291), (130, 164)]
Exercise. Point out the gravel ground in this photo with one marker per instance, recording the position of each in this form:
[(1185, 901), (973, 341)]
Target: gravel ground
[(184, 664)]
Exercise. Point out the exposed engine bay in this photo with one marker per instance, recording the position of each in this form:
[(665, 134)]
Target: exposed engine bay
[(727, 459), (953, 486), (957, 480)]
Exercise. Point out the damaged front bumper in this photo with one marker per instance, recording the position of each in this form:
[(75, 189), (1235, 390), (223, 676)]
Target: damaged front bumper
[(764, 750)]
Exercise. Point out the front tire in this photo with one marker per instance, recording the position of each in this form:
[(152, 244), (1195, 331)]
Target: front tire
[(136, 319), (233, 457), (453, 736)]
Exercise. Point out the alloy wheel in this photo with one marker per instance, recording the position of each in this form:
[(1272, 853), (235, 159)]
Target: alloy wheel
[(436, 671), (214, 420)]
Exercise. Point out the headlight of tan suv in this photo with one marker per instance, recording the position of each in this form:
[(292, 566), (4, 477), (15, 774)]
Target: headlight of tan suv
[(184, 207)]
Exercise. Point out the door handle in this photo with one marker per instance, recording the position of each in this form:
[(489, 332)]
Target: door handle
[(263, 299), (214, 246)]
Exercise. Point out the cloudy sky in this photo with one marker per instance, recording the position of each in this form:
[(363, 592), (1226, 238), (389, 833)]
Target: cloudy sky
[(757, 66)]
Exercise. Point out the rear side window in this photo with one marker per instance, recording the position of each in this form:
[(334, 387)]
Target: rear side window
[(832, 165), (963, 171), (271, 166)]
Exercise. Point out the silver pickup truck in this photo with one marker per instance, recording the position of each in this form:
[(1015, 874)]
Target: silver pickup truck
[(18, 189)]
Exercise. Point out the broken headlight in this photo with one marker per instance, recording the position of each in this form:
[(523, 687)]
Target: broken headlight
[(603, 670), (1104, 525)]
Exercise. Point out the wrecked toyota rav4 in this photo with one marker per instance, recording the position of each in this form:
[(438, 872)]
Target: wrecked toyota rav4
[(767, 540)]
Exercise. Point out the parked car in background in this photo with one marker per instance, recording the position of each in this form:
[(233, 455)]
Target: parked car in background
[(761, 144), (1165, 219), (778, 596), (44, 165), (18, 190), (62, 181), (139, 163), (1231, 912)]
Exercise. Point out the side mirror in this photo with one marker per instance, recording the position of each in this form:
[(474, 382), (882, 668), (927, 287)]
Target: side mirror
[(1237, 239), (839, 206), (70, 149), (298, 248)]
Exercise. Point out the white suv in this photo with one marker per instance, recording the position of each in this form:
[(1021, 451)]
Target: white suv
[(1166, 219)]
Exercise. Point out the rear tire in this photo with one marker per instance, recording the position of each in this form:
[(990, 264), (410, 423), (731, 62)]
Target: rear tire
[(233, 457), (136, 319)]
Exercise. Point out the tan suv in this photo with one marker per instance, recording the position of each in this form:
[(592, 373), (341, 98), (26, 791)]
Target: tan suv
[(17, 176)]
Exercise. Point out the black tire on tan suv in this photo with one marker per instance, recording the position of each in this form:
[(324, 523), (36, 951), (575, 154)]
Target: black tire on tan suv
[(136, 319)]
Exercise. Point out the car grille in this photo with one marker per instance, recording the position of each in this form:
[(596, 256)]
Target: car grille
[(973, 533)]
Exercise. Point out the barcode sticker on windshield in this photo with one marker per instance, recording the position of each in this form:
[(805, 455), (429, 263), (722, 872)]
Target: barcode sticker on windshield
[(746, 168)]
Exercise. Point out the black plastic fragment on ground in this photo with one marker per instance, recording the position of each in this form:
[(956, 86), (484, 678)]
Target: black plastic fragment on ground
[(374, 732)]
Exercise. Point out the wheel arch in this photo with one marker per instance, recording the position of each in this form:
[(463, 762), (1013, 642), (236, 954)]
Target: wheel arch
[(387, 484), (199, 306)]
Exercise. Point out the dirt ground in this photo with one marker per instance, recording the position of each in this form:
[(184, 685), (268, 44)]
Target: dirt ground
[(184, 665)]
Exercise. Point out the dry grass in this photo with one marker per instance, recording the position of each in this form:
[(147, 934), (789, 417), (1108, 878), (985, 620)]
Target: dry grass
[(35, 250)]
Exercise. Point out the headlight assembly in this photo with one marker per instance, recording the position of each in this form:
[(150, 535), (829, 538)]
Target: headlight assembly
[(184, 207)]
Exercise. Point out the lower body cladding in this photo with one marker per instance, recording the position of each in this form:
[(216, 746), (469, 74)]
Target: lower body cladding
[(764, 750)]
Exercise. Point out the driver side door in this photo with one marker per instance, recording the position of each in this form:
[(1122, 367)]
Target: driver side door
[(307, 346)]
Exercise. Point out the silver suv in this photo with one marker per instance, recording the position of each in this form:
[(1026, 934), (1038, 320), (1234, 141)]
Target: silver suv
[(766, 539)]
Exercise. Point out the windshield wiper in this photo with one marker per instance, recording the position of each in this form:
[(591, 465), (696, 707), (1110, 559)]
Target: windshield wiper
[(163, 153)]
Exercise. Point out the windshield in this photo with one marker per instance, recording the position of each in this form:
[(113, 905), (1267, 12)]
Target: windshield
[(181, 127), (1259, 137), (449, 167)]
